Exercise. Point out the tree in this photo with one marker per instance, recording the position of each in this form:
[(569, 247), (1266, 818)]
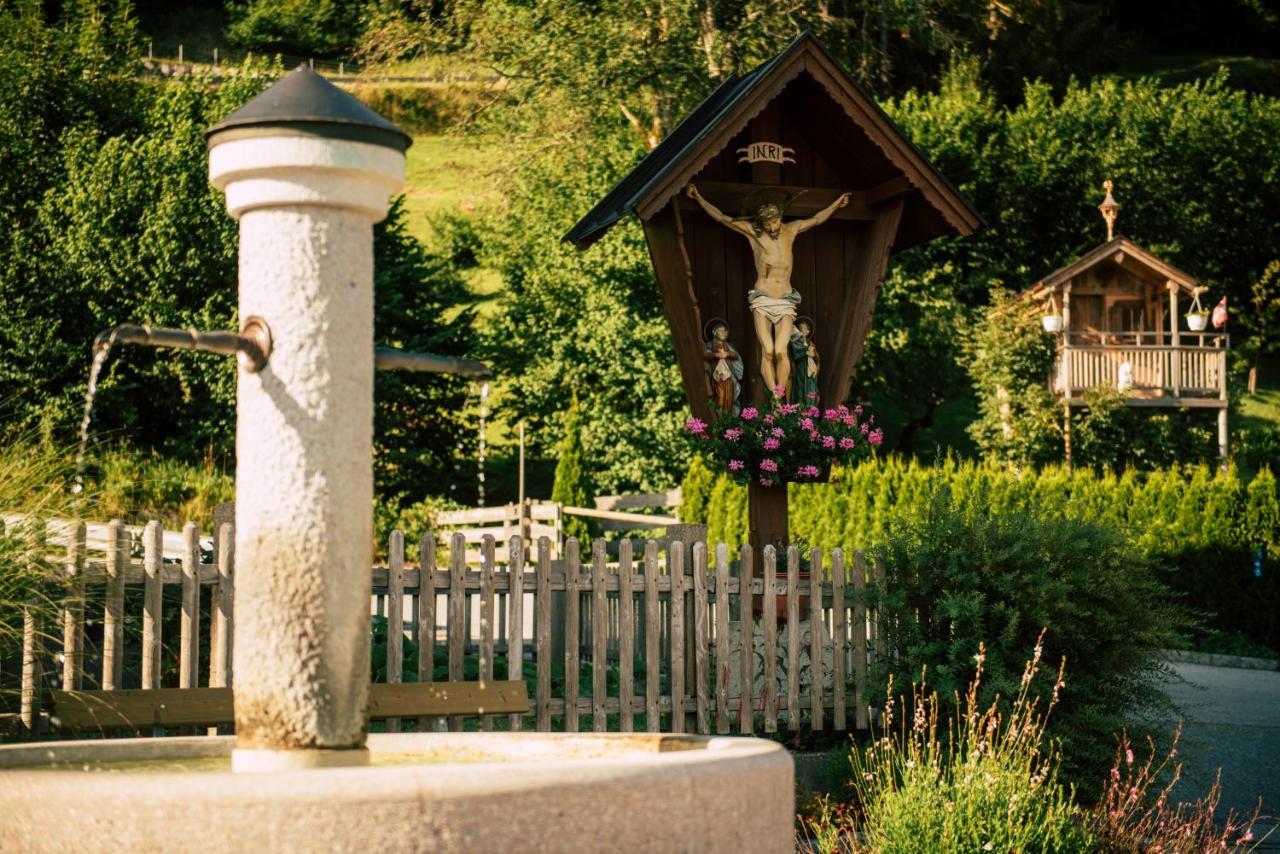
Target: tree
[(110, 218), (695, 492), (570, 487), (305, 27)]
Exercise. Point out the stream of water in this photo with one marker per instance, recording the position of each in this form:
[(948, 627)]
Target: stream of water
[(95, 370)]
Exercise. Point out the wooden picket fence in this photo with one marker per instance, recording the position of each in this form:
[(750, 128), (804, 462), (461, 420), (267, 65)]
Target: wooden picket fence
[(658, 639)]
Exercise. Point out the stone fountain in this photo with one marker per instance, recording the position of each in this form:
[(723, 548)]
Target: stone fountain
[(307, 170)]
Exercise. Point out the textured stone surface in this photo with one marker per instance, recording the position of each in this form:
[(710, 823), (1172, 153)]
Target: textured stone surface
[(561, 793), (304, 481)]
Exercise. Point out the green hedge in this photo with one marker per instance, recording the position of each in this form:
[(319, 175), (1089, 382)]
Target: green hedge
[(1205, 526)]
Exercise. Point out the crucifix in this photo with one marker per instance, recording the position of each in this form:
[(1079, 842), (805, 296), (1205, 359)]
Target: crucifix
[(772, 300)]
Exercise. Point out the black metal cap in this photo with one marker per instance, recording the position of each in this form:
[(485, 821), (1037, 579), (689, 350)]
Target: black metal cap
[(303, 103)]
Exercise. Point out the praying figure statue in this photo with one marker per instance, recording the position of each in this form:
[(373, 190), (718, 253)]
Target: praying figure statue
[(804, 363), (773, 301), (724, 369)]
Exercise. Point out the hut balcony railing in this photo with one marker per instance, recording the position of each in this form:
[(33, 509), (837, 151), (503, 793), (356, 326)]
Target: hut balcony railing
[(1157, 373)]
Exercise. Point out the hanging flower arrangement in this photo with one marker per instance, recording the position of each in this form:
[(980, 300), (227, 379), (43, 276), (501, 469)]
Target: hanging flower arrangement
[(790, 442)]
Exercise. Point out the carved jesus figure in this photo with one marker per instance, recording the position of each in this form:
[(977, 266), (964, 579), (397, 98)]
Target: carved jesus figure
[(773, 301)]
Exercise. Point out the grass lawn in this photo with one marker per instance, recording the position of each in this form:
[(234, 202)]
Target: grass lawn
[(448, 174)]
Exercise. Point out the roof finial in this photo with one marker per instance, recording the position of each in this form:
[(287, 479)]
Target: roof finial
[(1109, 208)]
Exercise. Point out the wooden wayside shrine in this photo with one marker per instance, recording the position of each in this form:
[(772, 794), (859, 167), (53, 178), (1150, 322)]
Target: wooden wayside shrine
[(797, 130)]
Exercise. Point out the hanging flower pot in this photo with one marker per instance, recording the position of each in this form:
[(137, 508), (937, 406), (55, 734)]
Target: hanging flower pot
[(1052, 323), (1197, 321)]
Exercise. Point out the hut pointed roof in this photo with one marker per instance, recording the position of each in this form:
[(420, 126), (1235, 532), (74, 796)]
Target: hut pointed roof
[(729, 109)]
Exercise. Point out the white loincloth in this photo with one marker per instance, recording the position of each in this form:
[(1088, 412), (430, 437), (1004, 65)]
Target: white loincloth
[(773, 308)]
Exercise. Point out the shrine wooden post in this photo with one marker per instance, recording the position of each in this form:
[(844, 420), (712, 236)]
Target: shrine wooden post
[(797, 129)]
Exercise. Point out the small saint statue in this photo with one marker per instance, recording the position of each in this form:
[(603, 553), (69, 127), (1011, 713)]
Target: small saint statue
[(724, 368), (804, 363), (773, 301)]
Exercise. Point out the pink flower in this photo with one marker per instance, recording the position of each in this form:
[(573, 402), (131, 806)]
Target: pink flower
[(846, 444), (813, 435), (779, 390), (736, 465), (866, 426), (789, 408), (1128, 756), (768, 419), (765, 481), (696, 426), (828, 441), (875, 437), (807, 471), (768, 465), (750, 413), (806, 423), (771, 444), (733, 434), (831, 415), (813, 395), (776, 431), (811, 412), (848, 420), (857, 410)]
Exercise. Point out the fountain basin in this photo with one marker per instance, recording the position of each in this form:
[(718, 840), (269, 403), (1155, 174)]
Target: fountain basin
[(469, 792)]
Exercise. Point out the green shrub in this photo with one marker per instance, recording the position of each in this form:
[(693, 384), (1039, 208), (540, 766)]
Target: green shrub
[(695, 492), (958, 572), (988, 781), (570, 486)]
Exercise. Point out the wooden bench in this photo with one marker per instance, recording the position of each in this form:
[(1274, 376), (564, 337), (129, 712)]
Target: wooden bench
[(134, 708)]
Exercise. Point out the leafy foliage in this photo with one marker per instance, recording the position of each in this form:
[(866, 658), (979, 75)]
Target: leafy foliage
[(570, 483), (305, 27), (965, 569), (110, 218)]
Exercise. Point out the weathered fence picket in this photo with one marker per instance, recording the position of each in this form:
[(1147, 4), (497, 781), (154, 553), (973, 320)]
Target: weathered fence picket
[(720, 648)]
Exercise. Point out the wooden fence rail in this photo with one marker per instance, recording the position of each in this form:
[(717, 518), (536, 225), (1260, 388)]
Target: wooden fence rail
[(674, 640)]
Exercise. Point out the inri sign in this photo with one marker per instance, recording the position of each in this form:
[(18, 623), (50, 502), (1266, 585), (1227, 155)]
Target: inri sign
[(766, 152)]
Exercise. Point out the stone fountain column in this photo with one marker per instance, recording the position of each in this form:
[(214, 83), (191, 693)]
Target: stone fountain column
[(307, 171)]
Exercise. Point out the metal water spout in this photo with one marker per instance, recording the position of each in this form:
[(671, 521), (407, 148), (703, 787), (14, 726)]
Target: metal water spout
[(252, 348)]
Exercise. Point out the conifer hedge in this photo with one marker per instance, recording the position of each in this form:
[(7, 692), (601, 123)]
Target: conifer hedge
[(1210, 532)]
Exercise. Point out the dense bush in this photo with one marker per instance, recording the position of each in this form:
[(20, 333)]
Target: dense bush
[(961, 571), (1202, 527)]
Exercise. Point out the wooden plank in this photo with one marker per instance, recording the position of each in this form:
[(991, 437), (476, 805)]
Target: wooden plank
[(639, 519), (746, 640), (816, 639), (701, 630), (864, 272), (189, 706), (457, 616), (572, 633), (599, 638), (486, 622), (675, 567), (73, 614), (652, 653), (626, 638), (189, 642), (113, 610), (395, 615), (542, 635), (32, 665), (427, 618), (472, 516), (670, 498), (722, 638), (152, 602), (839, 637), (223, 608), (515, 625), (860, 640), (412, 699), (793, 638), (769, 621)]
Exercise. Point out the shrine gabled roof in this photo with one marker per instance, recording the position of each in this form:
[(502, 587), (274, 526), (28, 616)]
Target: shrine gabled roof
[(727, 110), (1106, 251)]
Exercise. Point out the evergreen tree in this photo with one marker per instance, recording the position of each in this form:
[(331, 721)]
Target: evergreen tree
[(570, 486), (695, 492)]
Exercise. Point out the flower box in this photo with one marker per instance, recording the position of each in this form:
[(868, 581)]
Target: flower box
[(786, 442)]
